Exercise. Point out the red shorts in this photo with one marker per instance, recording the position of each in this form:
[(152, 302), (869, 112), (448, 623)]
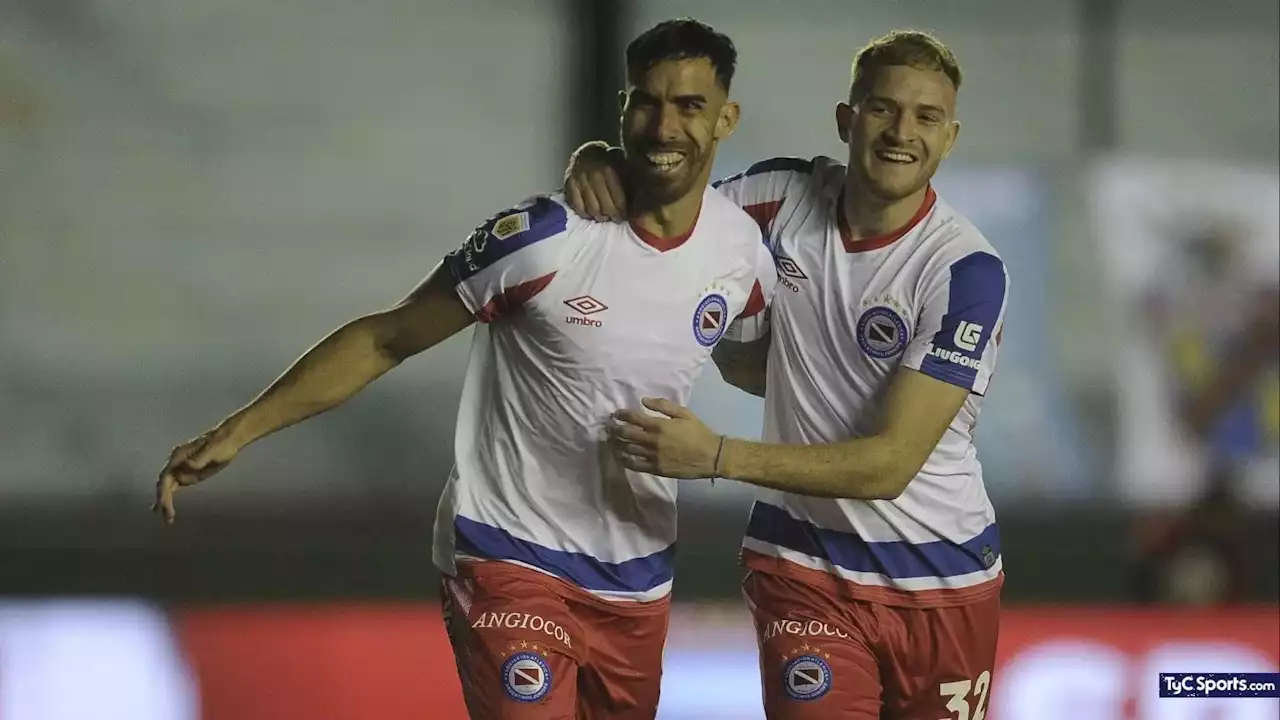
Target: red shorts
[(825, 656), (533, 647)]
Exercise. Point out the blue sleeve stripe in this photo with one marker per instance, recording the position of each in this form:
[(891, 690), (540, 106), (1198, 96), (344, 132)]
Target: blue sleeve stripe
[(778, 164), (547, 218), (975, 298)]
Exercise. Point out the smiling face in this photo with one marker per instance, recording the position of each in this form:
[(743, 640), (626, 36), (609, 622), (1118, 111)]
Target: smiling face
[(899, 122), (900, 130), (673, 115)]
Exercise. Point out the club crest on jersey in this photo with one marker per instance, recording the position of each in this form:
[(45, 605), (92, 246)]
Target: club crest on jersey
[(711, 319), (807, 677), (882, 333), (526, 677)]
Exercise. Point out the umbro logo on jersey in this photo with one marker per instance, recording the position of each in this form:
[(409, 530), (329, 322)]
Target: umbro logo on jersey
[(585, 305), (789, 271), (788, 267)]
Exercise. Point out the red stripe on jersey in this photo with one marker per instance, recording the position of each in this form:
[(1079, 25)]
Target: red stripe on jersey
[(764, 213), (755, 302), (875, 243), (512, 298)]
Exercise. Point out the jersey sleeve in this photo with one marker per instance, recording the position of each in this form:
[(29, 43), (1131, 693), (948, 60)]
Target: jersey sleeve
[(958, 320), (761, 189), (753, 322), (510, 258)]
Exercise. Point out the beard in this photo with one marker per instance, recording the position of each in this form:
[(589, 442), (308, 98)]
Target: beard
[(664, 183)]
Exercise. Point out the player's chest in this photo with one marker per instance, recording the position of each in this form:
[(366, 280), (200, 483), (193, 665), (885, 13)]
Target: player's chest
[(641, 304), (860, 308)]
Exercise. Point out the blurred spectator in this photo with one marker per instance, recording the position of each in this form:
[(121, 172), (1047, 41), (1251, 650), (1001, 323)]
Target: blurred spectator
[(1191, 252), (1214, 319)]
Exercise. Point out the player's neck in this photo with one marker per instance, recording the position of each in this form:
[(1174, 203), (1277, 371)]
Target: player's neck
[(669, 220), (867, 217)]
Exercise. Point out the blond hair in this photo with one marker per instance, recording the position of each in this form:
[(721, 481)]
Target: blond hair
[(912, 48)]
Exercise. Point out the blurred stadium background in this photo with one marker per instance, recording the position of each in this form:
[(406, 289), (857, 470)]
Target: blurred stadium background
[(192, 192)]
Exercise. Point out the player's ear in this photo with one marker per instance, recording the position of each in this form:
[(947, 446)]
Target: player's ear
[(730, 112), (953, 132), (844, 121)]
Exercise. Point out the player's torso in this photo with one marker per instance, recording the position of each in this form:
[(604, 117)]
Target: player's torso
[(625, 313), (841, 319), (623, 319)]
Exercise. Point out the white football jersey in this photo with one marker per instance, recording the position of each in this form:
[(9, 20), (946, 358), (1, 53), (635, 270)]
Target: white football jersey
[(580, 319), (847, 316)]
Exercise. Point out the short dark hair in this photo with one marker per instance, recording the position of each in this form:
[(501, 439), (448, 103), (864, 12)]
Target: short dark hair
[(912, 48), (682, 39)]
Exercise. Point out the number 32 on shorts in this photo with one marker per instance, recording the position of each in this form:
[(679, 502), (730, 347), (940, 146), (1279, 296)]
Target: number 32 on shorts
[(968, 700)]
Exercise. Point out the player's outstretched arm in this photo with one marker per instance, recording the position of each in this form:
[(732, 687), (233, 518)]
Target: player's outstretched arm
[(593, 186), (336, 368), (353, 356)]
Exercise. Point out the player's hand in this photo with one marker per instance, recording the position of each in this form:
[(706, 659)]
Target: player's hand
[(676, 446), (192, 462), (593, 185)]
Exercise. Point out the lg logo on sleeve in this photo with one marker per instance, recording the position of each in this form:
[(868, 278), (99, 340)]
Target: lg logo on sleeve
[(968, 335)]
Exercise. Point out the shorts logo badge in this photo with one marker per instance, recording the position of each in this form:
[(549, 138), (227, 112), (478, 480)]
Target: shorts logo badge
[(526, 677), (710, 320), (881, 333), (807, 677), (988, 556)]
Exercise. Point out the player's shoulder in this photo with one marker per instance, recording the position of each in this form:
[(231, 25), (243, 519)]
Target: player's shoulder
[(518, 228), (535, 218), (728, 218), (952, 237), (953, 249), (785, 166)]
